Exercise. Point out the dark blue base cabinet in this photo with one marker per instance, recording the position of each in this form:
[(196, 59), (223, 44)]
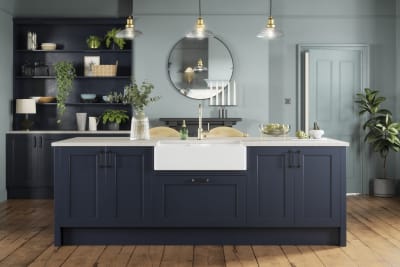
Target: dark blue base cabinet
[(112, 195)]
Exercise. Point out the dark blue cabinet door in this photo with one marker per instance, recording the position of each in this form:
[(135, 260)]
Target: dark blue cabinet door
[(270, 188), (199, 200), (301, 186), (101, 186), (318, 183)]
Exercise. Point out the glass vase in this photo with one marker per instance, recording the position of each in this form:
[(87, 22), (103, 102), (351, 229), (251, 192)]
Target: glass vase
[(140, 126)]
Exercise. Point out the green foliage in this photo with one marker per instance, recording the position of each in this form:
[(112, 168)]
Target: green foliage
[(139, 96), (93, 41), (114, 115), (65, 74), (110, 37), (382, 132)]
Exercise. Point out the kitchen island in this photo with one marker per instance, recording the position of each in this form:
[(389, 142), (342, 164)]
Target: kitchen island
[(107, 190)]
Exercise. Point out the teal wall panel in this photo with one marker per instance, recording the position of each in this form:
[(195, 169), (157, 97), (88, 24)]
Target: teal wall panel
[(5, 92)]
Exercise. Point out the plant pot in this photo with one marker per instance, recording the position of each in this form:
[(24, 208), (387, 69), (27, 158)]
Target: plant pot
[(384, 187), (113, 126)]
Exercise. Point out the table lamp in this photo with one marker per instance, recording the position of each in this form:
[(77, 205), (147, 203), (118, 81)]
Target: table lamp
[(25, 106)]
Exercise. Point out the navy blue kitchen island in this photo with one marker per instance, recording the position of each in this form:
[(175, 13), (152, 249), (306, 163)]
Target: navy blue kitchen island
[(106, 191)]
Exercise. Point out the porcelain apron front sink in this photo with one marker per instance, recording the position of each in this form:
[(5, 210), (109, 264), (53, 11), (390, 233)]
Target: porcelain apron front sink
[(201, 155)]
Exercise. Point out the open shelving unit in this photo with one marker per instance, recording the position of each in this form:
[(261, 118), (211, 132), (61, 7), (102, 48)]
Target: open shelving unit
[(70, 36)]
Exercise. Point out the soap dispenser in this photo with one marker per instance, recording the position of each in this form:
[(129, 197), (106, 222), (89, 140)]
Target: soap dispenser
[(184, 131)]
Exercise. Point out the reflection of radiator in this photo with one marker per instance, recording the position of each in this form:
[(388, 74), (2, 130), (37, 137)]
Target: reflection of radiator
[(222, 93)]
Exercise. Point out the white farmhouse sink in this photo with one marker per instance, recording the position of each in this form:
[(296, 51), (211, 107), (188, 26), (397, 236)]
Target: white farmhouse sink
[(201, 155)]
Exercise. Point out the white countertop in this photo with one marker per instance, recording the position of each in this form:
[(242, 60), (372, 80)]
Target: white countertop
[(248, 141), (70, 132)]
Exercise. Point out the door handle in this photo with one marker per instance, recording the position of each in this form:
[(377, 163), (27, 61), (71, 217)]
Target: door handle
[(41, 142), (200, 180), (34, 142), (105, 159)]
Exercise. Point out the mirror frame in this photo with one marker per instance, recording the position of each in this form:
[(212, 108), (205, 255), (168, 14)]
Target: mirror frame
[(169, 65)]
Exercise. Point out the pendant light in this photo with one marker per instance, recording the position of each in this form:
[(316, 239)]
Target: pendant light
[(200, 67), (129, 33), (199, 31), (270, 32)]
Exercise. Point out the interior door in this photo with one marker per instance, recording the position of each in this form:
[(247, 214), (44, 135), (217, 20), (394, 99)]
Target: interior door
[(333, 76)]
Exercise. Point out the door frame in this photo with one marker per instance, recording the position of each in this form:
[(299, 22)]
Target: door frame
[(364, 49)]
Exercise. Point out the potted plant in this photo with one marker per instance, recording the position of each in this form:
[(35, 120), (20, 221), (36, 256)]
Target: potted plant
[(114, 117), (382, 134), (111, 38), (93, 41), (65, 74)]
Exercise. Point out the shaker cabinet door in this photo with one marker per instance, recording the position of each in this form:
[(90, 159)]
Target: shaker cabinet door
[(270, 188), (100, 186)]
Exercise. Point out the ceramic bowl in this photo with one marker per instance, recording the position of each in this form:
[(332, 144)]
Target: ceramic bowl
[(316, 134), (88, 96), (48, 46), (106, 98), (46, 99)]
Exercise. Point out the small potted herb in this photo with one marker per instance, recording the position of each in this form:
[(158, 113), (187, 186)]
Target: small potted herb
[(93, 41), (111, 39), (114, 117)]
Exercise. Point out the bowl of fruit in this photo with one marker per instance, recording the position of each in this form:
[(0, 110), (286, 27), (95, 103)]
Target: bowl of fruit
[(275, 129)]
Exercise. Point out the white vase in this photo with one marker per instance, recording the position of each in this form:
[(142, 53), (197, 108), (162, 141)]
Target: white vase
[(140, 129)]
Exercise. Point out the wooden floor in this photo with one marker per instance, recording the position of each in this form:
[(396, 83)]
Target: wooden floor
[(373, 239)]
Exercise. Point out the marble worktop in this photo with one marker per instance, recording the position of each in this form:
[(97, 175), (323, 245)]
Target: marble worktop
[(247, 141)]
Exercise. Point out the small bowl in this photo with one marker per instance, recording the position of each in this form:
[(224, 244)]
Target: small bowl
[(36, 98), (48, 46), (106, 98), (88, 96), (46, 99)]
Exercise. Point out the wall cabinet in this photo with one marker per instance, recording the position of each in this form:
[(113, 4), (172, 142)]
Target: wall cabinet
[(70, 36), (295, 187), (103, 187), (29, 164), (199, 199)]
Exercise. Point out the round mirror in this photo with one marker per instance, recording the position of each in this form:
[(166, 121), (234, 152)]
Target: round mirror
[(194, 64)]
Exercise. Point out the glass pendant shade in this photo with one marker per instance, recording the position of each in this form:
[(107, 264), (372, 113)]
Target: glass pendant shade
[(129, 32), (199, 31), (270, 32)]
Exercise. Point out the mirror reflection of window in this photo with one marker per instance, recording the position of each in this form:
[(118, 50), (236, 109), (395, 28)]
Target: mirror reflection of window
[(193, 63)]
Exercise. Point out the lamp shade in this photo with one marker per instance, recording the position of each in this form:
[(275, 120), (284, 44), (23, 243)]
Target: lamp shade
[(25, 106)]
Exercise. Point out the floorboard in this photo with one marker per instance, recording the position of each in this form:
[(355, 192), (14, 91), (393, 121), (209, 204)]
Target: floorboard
[(373, 239)]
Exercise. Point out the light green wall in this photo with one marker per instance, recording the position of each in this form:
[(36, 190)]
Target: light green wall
[(5, 92), (265, 72)]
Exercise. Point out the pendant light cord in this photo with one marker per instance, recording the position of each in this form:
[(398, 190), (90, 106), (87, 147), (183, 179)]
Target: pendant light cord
[(270, 8), (200, 8)]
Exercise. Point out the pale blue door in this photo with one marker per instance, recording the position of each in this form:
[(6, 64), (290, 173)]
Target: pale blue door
[(334, 77)]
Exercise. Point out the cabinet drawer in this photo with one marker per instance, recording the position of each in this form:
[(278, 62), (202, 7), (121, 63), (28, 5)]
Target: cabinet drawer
[(199, 200)]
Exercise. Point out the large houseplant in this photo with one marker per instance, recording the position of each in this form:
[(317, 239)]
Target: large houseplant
[(139, 97), (65, 74), (382, 133)]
